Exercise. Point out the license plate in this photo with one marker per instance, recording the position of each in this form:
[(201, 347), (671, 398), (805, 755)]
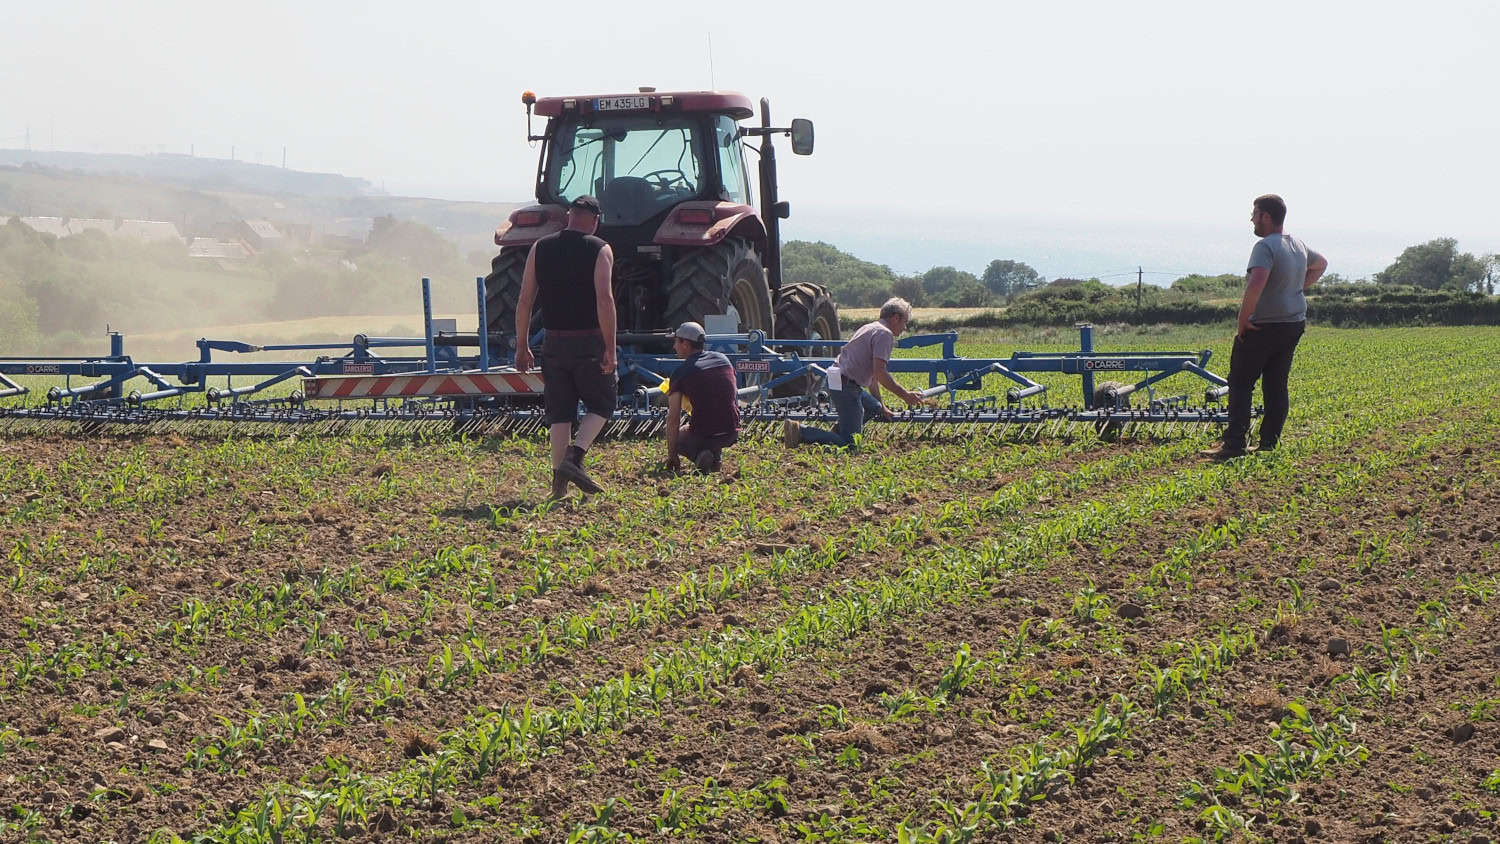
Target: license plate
[(621, 103)]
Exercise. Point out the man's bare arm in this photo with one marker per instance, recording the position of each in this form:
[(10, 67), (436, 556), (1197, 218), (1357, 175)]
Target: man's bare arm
[(1315, 269), (524, 303), (1255, 284), (674, 423), (884, 378), (604, 299)]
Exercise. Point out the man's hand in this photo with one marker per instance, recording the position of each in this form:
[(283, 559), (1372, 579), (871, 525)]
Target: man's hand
[(1245, 325), (524, 360), (607, 361), (915, 399)]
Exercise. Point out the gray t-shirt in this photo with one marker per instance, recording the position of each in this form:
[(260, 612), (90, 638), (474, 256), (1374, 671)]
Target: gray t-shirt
[(857, 360), (1287, 259)]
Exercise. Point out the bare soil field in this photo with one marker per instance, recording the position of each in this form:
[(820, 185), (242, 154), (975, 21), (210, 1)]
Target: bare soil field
[(381, 637)]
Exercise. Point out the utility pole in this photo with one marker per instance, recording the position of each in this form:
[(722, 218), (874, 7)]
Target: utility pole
[(1140, 276), (28, 139)]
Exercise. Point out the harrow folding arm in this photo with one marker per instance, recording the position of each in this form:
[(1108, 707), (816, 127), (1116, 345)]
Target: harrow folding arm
[(11, 388)]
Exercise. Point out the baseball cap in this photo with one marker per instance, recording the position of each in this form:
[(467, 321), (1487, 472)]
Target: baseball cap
[(587, 203), (691, 331)]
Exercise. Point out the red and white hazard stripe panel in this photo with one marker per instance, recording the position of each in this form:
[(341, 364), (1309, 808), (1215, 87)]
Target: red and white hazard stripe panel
[(449, 385)]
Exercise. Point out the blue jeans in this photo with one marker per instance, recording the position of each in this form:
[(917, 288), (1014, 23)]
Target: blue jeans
[(853, 405)]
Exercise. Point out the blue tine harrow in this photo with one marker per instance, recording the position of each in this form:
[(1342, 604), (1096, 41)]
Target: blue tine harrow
[(466, 383)]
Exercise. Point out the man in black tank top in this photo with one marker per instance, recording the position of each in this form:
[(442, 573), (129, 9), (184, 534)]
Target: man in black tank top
[(568, 274)]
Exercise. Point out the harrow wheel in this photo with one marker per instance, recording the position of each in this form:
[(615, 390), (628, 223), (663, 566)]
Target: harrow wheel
[(1108, 431), (805, 312), (502, 291)]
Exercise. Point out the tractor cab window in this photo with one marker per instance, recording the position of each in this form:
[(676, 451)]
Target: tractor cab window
[(637, 166), (731, 159)]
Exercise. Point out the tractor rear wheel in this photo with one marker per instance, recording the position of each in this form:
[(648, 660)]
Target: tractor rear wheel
[(805, 312), (726, 278), (502, 292)]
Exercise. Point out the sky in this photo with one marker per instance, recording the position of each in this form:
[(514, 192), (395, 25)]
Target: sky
[(1163, 119)]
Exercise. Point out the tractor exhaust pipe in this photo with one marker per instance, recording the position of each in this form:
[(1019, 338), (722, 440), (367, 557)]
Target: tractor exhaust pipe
[(772, 209)]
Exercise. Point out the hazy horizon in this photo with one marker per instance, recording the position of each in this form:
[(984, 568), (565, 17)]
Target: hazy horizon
[(913, 243), (1363, 115), (988, 129)]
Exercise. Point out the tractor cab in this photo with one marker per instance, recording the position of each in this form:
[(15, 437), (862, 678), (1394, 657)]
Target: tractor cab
[(641, 166)]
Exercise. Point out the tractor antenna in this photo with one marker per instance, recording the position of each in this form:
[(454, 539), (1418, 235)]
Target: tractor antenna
[(711, 85)]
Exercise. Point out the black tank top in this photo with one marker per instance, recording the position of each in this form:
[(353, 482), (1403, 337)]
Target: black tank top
[(565, 280)]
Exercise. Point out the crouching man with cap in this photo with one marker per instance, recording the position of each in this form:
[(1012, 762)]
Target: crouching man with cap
[(706, 383), (568, 274)]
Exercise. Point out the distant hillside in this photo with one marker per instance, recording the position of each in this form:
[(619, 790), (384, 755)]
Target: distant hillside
[(215, 174), (197, 193)]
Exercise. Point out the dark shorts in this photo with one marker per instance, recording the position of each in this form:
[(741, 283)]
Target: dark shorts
[(571, 372), (690, 444)]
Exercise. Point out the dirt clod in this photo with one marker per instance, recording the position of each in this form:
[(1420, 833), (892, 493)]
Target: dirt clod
[(862, 736), (1130, 611), (1329, 585), (1338, 647), (1461, 732), (107, 735)]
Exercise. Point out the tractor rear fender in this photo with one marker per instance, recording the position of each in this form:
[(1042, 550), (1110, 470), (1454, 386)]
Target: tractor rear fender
[(707, 222), (526, 226)]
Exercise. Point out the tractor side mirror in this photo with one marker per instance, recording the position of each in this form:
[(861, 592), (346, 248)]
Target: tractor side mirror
[(802, 136)]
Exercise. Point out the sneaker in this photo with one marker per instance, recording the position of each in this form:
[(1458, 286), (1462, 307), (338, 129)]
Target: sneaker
[(559, 486), (792, 433), (572, 472), (1223, 453), (706, 461)]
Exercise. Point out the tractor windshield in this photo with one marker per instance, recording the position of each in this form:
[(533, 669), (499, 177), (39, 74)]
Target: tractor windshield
[(637, 166)]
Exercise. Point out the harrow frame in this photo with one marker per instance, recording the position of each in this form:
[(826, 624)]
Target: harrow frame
[(483, 392)]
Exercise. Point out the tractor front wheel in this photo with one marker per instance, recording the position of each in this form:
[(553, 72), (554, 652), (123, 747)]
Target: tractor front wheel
[(502, 292)]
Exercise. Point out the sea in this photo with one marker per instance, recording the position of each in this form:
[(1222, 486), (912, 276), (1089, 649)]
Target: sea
[(1111, 253)]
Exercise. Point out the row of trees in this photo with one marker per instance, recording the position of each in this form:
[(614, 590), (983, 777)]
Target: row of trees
[(1434, 265), (857, 283), (1438, 265)]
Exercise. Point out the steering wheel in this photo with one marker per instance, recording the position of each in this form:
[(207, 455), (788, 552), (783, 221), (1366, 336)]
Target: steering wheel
[(664, 180)]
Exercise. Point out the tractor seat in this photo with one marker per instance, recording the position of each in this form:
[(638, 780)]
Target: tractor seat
[(627, 200)]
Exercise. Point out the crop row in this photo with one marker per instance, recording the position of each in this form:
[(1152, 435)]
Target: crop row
[(714, 662)]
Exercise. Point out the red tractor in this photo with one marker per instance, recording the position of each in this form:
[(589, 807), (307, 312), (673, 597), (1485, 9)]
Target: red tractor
[(679, 211)]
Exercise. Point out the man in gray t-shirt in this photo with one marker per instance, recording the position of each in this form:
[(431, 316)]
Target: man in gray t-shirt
[(1273, 316), (861, 373)]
